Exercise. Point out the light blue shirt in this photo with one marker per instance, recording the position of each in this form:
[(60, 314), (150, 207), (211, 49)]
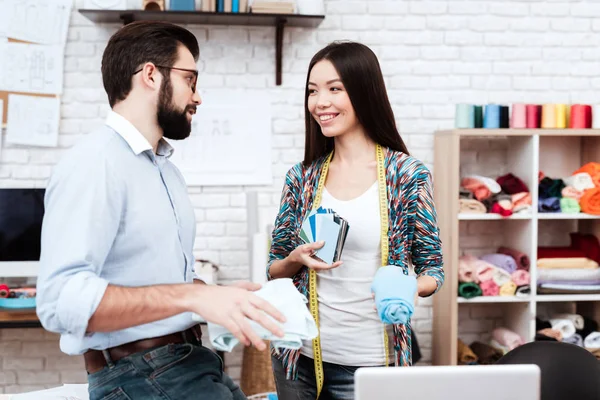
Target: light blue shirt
[(115, 213)]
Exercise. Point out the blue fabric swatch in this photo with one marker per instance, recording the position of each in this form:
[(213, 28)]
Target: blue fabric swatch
[(394, 294)]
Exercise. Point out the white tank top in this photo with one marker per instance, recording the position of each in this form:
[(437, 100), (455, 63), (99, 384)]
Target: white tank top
[(351, 332)]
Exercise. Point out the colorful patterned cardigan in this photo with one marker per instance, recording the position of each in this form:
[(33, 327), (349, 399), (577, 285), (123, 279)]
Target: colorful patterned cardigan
[(413, 232)]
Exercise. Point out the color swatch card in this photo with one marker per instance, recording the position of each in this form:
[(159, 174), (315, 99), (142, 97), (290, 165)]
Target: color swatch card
[(325, 225)]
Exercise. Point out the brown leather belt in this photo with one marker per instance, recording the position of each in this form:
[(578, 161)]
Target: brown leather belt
[(95, 360)]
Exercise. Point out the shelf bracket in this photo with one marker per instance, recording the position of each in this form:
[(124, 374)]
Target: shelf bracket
[(279, 25)]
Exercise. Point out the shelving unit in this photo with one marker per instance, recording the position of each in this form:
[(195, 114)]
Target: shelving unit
[(525, 152), (279, 21)]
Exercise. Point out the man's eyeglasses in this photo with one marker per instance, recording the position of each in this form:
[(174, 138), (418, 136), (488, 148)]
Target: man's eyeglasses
[(193, 71)]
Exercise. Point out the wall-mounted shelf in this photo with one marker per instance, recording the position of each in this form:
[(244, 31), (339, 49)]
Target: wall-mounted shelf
[(14, 318), (279, 21)]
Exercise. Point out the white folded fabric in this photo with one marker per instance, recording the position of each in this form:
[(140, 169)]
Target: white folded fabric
[(580, 181), (575, 318), (565, 326), (592, 341), (488, 182), (284, 296), (501, 276)]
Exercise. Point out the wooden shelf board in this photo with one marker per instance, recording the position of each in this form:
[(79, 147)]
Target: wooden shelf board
[(494, 299), (490, 217), (551, 216), (19, 318), (519, 132), (566, 297), (202, 18)]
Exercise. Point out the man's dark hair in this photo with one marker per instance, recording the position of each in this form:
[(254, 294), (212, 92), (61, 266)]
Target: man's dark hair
[(138, 43)]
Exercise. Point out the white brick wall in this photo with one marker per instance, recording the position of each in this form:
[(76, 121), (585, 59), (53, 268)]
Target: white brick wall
[(433, 54)]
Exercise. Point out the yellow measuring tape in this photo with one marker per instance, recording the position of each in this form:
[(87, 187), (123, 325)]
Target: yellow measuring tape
[(314, 305)]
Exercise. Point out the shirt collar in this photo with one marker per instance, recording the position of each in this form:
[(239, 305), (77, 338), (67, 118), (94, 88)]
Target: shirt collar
[(134, 138)]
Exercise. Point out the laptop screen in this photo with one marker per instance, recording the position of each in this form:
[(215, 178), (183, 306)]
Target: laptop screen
[(21, 213)]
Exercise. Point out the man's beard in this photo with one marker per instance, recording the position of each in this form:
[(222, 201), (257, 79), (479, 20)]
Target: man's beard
[(173, 122)]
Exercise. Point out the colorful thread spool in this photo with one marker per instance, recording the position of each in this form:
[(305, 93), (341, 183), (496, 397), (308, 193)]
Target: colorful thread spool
[(4, 291), (548, 116), (596, 117), (465, 116), (581, 116), (561, 116), (491, 120), (534, 113), (518, 118)]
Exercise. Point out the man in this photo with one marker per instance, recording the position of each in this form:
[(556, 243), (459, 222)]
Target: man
[(117, 265)]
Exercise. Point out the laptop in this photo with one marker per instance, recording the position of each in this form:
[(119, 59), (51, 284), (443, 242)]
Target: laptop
[(488, 382)]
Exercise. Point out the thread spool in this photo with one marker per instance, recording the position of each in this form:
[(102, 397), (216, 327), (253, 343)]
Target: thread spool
[(4, 291), (465, 116), (581, 116), (518, 118), (561, 115), (596, 117), (534, 113), (548, 116), (504, 117), (478, 116), (491, 119)]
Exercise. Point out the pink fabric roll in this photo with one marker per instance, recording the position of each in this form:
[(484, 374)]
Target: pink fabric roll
[(467, 268), (485, 271), (489, 288), (518, 118), (507, 338), (521, 277), (571, 192)]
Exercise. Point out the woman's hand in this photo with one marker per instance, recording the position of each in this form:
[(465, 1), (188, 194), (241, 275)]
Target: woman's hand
[(303, 255)]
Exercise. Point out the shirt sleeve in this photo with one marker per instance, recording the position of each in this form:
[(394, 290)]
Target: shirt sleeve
[(81, 220), (426, 252), (282, 241)]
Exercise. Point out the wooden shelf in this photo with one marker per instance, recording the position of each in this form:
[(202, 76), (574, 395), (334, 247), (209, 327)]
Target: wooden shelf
[(279, 21), (551, 216), (519, 132), (490, 217), (16, 318), (494, 299)]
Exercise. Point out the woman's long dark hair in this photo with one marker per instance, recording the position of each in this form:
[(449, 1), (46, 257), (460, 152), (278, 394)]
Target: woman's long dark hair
[(361, 75)]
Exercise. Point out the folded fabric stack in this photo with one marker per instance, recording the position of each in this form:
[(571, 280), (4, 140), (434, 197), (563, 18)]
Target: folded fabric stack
[(504, 273), (505, 196), (570, 328), (569, 270), (579, 192), (502, 341)]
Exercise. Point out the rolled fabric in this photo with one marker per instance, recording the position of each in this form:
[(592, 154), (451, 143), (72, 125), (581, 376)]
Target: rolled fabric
[(4, 291), (467, 268), (394, 294), (465, 354), (501, 277), (565, 326), (571, 192), (508, 289), (503, 261), (578, 321), (499, 208), (559, 252), (521, 259), (580, 181), (590, 201), (478, 188), (507, 338), (549, 187), (549, 205), (486, 353), (489, 288), (553, 333), (574, 339), (494, 343), (589, 326), (524, 290), (592, 341), (521, 201), (569, 205), (468, 290), (485, 272), (511, 184), (490, 183), (471, 206), (593, 169), (520, 277)]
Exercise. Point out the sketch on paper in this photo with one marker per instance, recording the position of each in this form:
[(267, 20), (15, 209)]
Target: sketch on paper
[(230, 142), (32, 120), (42, 22), (31, 68)]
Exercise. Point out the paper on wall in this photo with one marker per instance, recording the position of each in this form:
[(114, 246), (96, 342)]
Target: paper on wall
[(42, 22), (31, 68), (32, 120)]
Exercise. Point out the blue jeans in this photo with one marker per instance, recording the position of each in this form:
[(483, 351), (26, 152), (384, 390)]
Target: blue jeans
[(171, 372), (338, 383)]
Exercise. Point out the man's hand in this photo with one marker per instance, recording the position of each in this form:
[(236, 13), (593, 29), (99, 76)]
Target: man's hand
[(229, 307)]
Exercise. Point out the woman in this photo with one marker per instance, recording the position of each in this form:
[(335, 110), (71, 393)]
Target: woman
[(355, 163)]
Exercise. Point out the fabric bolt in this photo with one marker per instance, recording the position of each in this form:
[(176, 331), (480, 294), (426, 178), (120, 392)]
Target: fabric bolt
[(507, 338), (592, 341), (469, 290), (572, 193), (549, 205), (524, 290), (565, 326), (502, 261), (521, 259), (485, 353), (521, 277), (549, 187), (465, 355), (580, 181), (575, 339), (590, 201), (471, 206), (569, 205), (489, 288), (508, 289)]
